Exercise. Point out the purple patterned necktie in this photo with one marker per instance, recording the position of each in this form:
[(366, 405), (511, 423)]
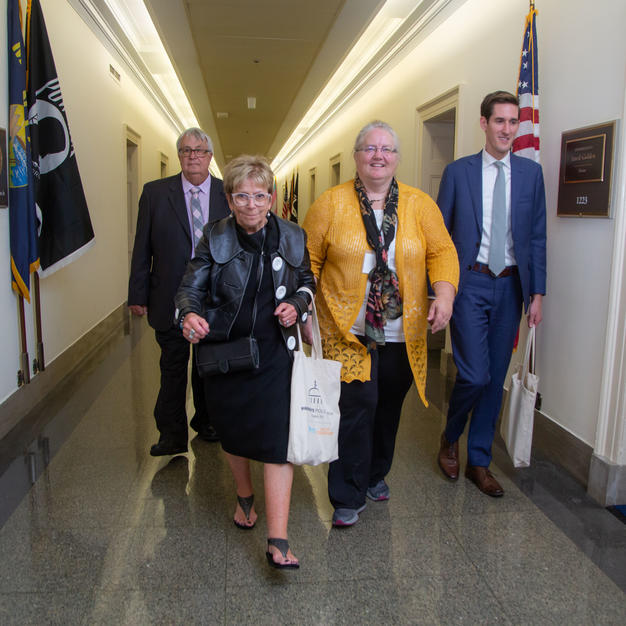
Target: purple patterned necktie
[(197, 221)]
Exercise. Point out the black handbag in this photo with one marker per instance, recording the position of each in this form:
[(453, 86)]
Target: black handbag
[(222, 357)]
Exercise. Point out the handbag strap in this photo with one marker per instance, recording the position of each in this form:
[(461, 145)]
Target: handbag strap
[(259, 278)]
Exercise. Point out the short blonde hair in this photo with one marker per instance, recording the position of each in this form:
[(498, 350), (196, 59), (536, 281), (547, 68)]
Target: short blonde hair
[(246, 167)]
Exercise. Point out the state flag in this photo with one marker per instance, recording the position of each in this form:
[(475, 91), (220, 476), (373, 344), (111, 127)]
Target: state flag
[(22, 217)]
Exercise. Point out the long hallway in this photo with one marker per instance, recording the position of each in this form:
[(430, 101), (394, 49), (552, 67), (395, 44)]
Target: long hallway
[(107, 534)]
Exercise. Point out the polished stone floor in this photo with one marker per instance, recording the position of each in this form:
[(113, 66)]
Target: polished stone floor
[(95, 531)]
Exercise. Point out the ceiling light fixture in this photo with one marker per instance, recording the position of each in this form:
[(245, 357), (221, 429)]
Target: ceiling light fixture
[(251, 102), (135, 21), (380, 30)]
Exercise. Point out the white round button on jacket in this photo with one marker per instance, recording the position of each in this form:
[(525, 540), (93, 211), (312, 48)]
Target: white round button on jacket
[(280, 292), (277, 264), (291, 343)]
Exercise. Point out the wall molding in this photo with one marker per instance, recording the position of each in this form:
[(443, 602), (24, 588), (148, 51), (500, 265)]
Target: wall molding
[(607, 481), (103, 25), (421, 23)]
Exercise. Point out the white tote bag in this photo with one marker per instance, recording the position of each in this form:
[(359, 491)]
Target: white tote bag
[(314, 417), (516, 427)]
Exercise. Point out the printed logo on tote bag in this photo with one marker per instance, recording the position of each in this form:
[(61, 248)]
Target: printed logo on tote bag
[(320, 418)]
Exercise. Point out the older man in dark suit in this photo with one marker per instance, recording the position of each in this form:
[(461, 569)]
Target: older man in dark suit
[(493, 204), (172, 213)]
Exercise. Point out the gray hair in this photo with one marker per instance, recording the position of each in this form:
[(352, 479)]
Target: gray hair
[(196, 132), (246, 167), (358, 143)]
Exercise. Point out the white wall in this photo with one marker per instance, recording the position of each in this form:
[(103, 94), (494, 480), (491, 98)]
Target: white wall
[(77, 297), (586, 51), (582, 62)]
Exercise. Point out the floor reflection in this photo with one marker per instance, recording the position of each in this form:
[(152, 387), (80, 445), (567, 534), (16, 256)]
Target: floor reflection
[(95, 531)]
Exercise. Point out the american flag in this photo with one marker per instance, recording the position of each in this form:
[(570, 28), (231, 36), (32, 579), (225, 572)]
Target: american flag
[(526, 143), (286, 204)]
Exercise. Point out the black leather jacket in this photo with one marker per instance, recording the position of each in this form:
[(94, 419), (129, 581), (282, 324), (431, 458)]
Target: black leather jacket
[(215, 280)]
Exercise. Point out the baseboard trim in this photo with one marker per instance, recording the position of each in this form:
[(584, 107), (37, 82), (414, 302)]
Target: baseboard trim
[(447, 368), (27, 397), (607, 481), (562, 447)]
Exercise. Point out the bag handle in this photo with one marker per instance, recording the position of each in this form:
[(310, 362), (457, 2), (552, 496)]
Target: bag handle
[(528, 363), (316, 346)]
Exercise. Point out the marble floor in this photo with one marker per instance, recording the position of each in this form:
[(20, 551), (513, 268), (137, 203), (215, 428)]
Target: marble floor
[(93, 530)]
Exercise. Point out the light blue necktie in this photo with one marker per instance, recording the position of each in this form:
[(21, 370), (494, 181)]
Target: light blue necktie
[(197, 221), (497, 241)]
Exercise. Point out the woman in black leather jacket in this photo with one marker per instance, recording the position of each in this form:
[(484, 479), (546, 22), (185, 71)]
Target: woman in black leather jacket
[(251, 276)]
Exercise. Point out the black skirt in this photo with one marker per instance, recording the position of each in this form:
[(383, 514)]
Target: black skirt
[(250, 409)]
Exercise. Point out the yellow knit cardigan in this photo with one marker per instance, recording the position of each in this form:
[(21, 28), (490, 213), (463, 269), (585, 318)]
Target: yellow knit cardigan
[(337, 245)]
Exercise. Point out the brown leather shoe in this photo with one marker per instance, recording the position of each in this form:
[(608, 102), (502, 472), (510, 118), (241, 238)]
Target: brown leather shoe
[(448, 458), (484, 480)]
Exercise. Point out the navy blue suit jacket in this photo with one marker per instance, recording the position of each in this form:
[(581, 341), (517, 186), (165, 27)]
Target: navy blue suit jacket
[(163, 245), (460, 200)]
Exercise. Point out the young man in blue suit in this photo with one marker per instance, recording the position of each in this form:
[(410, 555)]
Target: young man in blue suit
[(172, 212), (493, 204)]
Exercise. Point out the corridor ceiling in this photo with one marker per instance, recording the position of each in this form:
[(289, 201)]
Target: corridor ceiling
[(280, 52)]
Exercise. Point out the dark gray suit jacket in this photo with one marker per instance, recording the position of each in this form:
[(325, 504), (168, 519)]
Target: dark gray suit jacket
[(162, 246)]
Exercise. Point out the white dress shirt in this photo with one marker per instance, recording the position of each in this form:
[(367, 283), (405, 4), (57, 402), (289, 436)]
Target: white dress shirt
[(490, 171), (394, 331)]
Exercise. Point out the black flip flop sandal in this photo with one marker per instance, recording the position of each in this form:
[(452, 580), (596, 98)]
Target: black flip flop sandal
[(246, 506), (283, 546)]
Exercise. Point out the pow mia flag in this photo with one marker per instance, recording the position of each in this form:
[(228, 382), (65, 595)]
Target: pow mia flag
[(65, 229)]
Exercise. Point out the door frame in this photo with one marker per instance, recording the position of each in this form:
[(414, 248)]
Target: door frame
[(433, 108)]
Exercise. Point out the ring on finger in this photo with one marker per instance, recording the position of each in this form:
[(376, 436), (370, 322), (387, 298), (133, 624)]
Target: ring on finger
[(192, 332)]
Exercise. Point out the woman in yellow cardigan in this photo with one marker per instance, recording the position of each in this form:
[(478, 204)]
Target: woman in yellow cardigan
[(371, 242)]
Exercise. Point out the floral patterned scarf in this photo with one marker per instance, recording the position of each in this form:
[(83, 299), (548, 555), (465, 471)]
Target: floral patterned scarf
[(384, 301)]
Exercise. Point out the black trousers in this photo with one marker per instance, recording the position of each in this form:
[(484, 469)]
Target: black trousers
[(169, 411), (370, 415)]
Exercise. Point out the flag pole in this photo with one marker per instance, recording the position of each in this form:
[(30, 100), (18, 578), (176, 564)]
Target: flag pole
[(39, 364), (23, 374)]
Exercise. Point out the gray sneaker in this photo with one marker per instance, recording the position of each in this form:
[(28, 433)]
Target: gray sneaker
[(379, 492), (347, 517)]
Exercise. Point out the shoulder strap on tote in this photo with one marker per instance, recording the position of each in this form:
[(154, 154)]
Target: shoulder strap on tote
[(528, 362), (316, 348)]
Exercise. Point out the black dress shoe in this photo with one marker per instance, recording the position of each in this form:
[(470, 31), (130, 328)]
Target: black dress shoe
[(165, 447), (205, 431), (208, 433)]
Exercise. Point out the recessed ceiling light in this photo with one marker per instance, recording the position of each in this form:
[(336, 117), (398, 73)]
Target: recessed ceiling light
[(251, 102)]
